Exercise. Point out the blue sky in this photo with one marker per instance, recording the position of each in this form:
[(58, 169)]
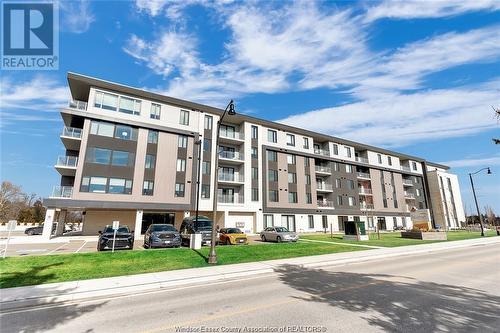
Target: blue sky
[(417, 77)]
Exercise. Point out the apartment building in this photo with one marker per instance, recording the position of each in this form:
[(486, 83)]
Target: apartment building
[(139, 158)]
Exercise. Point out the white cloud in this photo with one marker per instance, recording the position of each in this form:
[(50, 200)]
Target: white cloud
[(408, 9), (76, 16), (479, 162)]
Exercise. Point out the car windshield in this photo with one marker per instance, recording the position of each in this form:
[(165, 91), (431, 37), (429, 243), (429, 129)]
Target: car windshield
[(120, 229), (162, 227), (233, 231), (203, 224), (281, 229)]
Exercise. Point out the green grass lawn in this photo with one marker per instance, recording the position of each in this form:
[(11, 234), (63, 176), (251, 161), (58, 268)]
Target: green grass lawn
[(393, 239), (32, 270)]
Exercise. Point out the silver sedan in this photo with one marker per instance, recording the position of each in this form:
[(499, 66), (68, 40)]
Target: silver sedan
[(278, 234)]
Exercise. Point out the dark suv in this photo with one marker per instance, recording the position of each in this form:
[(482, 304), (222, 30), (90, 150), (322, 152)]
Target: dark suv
[(124, 239), (161, 235), (190, 226)]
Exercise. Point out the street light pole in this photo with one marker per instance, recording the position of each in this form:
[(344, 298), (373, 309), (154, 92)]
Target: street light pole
[(199, 142), (212, 256), (475, 198)]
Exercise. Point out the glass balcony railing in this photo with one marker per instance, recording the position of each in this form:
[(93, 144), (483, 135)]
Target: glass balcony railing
[(67, 161), (409, 195), (79, 105), (319, 151), (405, 168), (363, 175), (230, 199), (232, 135), (72, 132), (323, 169), (362, 159), (231, 177), (407, 182), (62, 192), (325, 203), (363, 190), (366, 206), (231, 155), (324, 187)]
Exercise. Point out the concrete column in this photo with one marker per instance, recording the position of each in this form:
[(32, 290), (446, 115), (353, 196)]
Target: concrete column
[(61, 221), (138, 224), (48, 223)]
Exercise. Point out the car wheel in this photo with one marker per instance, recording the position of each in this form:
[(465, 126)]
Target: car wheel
[(278, 239), (228, 242), (31, 233), (263, 238)]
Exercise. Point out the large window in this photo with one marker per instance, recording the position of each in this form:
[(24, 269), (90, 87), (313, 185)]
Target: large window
[(179, 190), (379, 158), (155, 111), (272, 136), (350, 184), (255, 132), (338, 183), (227, 131), (150, 161), (290, 159), (310, 218), (272, 175), (272, 156), (339, 200), (182, 141), (335, 149), (181, 165), (292, 178), (105, 185), (106, 101), (153, 136), (99, 155), (306, 143), (130, 105), (148, 187), (122, 158), (208, 122), (205, 168), (292, 197), (116, 185), (348, 152), (414, 165), (273, 196), (352, 201), (290, 140), (309, 198), (268, 221), (184, 117), (205, 191), (348, 168), (102, 129)]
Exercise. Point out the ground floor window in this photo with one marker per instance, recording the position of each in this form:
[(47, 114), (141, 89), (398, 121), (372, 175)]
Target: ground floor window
[(288, 221), (268, 221), (324, 221), (310, 219)]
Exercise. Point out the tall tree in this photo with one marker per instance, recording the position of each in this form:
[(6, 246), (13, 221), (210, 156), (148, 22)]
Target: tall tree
[(12, 200), (497, 115)]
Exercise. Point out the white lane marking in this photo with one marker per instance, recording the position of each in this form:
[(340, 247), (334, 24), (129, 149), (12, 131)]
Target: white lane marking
[(139, 293), (57, 248), (81, 247), (345, 244), (31, 251)]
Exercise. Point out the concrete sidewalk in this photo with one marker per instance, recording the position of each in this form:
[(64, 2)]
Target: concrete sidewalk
[(13, 298)]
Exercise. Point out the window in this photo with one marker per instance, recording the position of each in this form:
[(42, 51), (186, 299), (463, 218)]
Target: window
[(310, 219), (272, 136), (181, 165), (179, 190), (348, 151), (207, 143), (335, 166), (273, 196), (255, 173), (205, 168), (150, 161), (205, 191), (395, 221), (350, 184), (268, 221), (420, 205), (306, 161), (102, 129), (389, 160), (290, 159), (106, 101), (98, 184), (98, 155), (335, 149), (209, 122), (339, 200), (308, 179), (255, 194), (352, 201), (130, 106), (147, 187), (184, 117), (116, 185), (338, 183), (379, 158), (306, 143), (272, 156), (155, 111), (348, 168), (309, 198), (370, 222), (152, 137), (125, 132), (254, 153), (292, 197), (324, 221), (290, 140), (122, 158), (228, 131), (292, 177), (255, 132), (272, 175), (417, 192), (414, 165), (182, 141)]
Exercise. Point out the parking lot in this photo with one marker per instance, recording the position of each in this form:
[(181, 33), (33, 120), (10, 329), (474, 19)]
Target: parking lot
[(66, 245)]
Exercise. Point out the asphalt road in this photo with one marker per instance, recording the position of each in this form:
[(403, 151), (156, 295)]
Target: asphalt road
[(453, 291)]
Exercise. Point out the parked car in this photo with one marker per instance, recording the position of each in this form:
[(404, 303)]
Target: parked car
[(124, 238), (161, 235), (38, 230), (278, 234), (190, 226), (232, 236)]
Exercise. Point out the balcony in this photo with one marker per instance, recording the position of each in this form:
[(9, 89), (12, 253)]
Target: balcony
[(228, 136), (409, 196), (407, 182), (324, 152), (361, 159), (231, 177), (366, 206), (363, 175), (62, 192), (71, 137), (325, 203), (66, 165), (234, 156), (365, 191), (405, 168), (323, 169), (322, 187), (230, 199), (79, 105)]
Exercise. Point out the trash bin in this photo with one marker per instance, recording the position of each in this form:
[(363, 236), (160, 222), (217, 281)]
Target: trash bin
[(195, 241)]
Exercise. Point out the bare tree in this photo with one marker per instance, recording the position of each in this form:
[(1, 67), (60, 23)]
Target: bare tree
[(12, 200), (490, 215), (497, 115)]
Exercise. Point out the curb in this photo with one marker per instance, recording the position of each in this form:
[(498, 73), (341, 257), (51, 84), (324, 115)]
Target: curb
[(64, 292)]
